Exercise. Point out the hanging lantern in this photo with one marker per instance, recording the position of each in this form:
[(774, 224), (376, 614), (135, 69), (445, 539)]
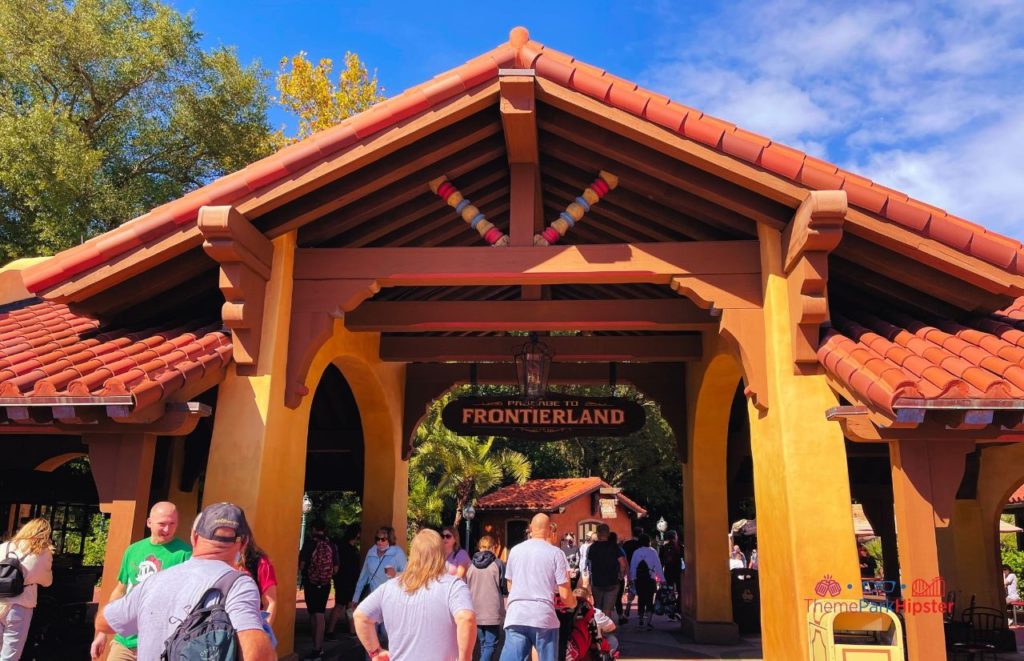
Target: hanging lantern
[(533, 362)]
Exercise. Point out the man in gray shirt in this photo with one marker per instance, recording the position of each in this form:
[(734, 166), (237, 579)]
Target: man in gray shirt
[(158, 605)]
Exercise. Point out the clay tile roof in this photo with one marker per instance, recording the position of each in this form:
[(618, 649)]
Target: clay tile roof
[(1018, 495), (547, 495), (521, 51), (884, 358), (47, 351)]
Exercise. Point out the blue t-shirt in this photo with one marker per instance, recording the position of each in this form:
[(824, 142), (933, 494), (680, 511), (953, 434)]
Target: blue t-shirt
[(536, 569), (421, 626)]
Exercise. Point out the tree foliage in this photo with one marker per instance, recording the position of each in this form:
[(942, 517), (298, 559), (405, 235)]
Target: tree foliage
[(458, 469), (307, 90), (109, 108)]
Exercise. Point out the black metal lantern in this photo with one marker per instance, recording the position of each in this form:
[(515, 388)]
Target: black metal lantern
[(533, 362)]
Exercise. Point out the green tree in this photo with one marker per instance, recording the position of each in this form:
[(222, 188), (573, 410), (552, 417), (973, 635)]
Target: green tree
[(109, 108), (461, 468), (307, 90)]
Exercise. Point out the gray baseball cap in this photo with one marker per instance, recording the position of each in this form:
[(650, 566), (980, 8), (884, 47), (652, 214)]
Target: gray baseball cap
[(222, 515)]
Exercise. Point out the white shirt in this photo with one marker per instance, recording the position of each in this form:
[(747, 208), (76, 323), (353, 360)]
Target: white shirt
[(535, 569), (648, 555), (1010, 581)]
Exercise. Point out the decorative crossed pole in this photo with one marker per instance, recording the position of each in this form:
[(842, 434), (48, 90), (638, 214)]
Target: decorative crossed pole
[(577, 209), (473, 216)]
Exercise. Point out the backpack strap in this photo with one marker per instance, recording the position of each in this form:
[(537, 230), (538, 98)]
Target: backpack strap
[(222, 587)]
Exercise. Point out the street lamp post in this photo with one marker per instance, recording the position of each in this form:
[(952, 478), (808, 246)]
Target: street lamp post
[(468, 513), (662, 526), (307, 506)]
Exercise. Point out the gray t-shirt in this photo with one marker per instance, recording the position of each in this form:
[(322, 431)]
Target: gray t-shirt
[(535, 569), (421, 626), (156, 607)]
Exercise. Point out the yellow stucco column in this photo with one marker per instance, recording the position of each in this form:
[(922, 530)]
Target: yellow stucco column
[(258, 450), (707, 598), (1001, 472), (973, 567), (801, 485)]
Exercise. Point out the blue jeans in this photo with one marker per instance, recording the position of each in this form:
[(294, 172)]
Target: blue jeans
[(519, 640), (14, 632), (488, 635)]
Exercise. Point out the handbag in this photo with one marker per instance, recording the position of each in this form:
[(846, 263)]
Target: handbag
[(366, 588)]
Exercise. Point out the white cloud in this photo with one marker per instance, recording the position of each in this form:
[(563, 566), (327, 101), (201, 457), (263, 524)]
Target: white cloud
[(921, 96)]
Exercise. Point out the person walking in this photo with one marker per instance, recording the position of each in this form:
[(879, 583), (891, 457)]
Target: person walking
[(318, 563), (344, 580), (671, 557), (32, 548), (486, 580), (644, 568), (584, 550), (456, 560), (429, 613), (153, 609), (536, 571), (257, 564), (383, 562), (142, 560), (628, 547), (606, 569)]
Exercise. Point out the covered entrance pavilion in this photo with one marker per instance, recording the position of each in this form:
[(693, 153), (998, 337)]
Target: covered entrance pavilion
[(742, 284)]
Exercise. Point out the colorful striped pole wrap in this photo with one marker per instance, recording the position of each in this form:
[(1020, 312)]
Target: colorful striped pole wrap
[(577, 209), (473, 216)]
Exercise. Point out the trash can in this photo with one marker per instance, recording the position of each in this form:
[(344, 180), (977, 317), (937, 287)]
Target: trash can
[(847, 629), (746, 600)]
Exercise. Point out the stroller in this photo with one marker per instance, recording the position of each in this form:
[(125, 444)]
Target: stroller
[(666, 601), (579, 637)]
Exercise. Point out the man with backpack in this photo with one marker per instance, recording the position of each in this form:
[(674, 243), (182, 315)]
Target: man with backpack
[(202, 608), (318, 563)]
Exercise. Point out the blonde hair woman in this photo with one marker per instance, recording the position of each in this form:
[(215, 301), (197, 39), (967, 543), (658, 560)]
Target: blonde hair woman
[(34, 550), (428, 613)]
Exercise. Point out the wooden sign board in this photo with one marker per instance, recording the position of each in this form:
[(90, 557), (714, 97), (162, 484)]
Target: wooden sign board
[(549, 418), (608, 509)]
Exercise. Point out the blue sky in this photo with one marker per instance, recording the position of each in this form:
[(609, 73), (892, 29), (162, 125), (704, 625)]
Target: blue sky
[(924, 97)]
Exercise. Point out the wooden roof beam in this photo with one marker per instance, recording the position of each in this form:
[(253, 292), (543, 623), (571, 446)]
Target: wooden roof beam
[(567, 349), (655, 263), (646, 315)]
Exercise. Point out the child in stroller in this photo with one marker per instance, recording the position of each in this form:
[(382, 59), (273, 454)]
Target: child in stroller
[(585, 633), (666, 601)]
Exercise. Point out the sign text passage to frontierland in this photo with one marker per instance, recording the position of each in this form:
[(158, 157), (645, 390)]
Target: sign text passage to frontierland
[(548, 418)]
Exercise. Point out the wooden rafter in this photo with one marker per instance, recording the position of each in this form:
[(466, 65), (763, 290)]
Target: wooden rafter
[(662, 314), (571, 349), (655, 263)]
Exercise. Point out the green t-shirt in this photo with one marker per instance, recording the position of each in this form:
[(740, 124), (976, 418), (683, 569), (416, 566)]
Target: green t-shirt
[(143, 559)]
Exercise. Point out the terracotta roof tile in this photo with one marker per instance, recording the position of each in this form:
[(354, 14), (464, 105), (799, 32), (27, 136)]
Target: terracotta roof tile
[(1018, 495), (882, 358), (48, 351), (564, 70), (547, 495)]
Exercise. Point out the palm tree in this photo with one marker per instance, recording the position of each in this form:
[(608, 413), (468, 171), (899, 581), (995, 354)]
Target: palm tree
[(461, 467)]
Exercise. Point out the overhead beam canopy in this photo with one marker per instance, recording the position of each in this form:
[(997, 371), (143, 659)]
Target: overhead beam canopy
[(566, 349), (651, 315), (655, 263)]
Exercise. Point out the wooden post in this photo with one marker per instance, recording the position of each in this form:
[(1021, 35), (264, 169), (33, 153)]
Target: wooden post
[(914, 493), (122, 466)]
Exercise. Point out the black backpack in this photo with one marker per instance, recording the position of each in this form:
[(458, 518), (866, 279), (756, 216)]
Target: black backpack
[(12, 578), (207, 633)]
